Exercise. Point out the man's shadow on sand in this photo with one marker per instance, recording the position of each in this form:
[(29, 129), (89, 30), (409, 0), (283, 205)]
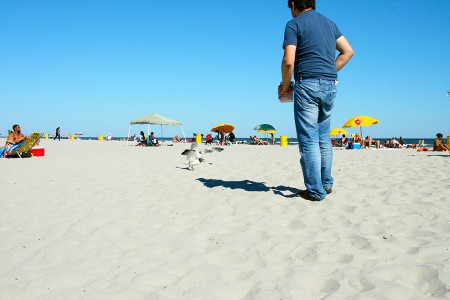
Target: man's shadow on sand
[(249, 186)]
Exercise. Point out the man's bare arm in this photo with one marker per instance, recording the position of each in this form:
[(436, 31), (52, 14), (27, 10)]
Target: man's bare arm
[(345, 52), (287, 68)]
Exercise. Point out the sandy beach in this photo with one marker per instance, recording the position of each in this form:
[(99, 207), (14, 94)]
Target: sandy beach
[(103, 220)]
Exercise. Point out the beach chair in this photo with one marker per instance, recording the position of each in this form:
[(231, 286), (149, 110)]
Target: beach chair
[(256, 141), (23, 149)]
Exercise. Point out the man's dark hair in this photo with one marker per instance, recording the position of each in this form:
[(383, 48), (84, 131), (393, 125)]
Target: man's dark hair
[(302, 4), (14, 126)]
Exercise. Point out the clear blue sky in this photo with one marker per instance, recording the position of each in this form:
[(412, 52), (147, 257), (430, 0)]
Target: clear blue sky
[(93, 66)]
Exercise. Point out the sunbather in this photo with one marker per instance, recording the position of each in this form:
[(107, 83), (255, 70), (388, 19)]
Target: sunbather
[(368, 141), (15, 137), (394, 143), (357, 139), (438, 145), (176, 139), (256, 140)]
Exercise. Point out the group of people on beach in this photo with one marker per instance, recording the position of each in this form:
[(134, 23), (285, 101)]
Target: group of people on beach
[(399, 143), (394, 143), (221, 138), (143, 141)]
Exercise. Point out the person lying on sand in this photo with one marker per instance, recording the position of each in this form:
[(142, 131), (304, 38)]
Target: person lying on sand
[(394, 143), (176, 139), (368, 141), (439, 145)]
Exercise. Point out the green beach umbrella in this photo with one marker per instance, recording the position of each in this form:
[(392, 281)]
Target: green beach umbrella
[(265, 128)]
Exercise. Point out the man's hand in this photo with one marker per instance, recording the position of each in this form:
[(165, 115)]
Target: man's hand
[(283, 90)]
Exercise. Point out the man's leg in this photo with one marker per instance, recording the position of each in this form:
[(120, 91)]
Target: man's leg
[(306, 111), (328, 92)]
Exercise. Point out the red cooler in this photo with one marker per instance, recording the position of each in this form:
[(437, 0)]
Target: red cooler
[(38, 151)]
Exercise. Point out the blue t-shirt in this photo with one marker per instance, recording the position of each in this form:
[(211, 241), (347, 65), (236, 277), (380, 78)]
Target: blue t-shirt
[(315, 37)]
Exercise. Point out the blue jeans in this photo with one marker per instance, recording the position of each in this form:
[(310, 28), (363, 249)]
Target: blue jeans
[(313, 102)]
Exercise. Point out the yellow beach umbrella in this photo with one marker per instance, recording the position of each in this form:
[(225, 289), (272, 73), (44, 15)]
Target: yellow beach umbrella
[(360, 121), (337, 131), (224, 127)]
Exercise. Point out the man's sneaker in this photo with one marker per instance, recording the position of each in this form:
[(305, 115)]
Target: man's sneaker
[(305, 195), (329, 190)]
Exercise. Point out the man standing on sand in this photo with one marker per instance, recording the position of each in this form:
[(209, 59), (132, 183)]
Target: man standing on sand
[(58, 134), (310, 44)]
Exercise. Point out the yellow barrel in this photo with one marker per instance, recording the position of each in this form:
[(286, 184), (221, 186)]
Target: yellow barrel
[(46, 136), (448, 140), (198, 138), (100, 137), (72, 137), (283, 141)]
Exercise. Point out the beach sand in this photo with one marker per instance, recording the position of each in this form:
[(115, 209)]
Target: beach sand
[(102, 220)]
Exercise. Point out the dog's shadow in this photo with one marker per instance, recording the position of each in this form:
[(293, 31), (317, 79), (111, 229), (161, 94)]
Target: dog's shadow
[(248, 186)]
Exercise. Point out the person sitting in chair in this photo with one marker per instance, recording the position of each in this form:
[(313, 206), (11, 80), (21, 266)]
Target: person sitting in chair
[(357, 139), (256, 140), (15, 137)]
